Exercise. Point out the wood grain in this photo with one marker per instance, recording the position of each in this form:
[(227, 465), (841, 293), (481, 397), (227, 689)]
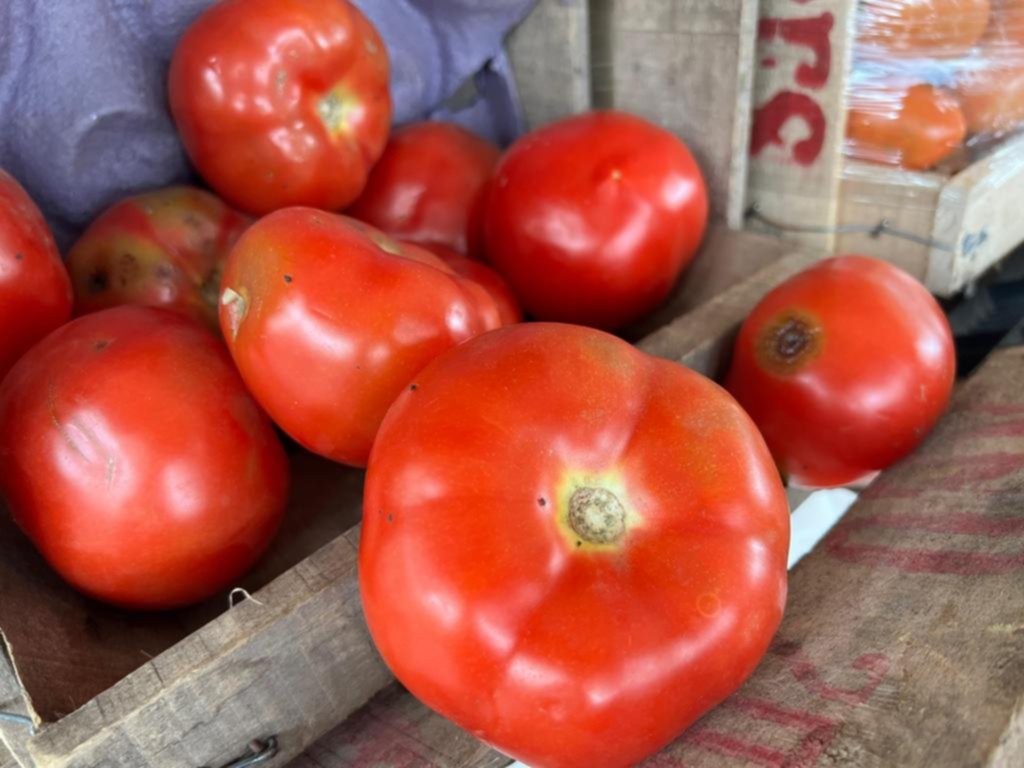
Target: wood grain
[(550, 55), (688, 66)]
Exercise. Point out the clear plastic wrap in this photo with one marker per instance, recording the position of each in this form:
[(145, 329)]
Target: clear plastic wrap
[(936, 84)]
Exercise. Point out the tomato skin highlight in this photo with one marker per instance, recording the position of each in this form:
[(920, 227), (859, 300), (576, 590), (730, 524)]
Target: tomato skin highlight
[(164, 248), (570, 548), (592, 219), (282, 102), (35, 291), (845, 368), (328, 319), (133, 457), (428, 184)]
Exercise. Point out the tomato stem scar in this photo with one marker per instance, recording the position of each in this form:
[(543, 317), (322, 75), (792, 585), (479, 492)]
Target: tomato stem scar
[(597, 515)]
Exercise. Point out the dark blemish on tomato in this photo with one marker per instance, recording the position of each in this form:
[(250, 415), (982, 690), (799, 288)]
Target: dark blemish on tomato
[(413, 387), (391, 518), (99, 282), (101, 344), (579, 544), (789, 342), (164, 271), (19, 256), (542, 501), (287, 278)]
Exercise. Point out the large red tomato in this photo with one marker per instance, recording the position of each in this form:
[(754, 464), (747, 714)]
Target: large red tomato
[(133, 457), (592, 219), (328, 319), (35, 292), (427, 185), (506, 301), (282, 102), (164, 248), (845, 368), (570, 548)]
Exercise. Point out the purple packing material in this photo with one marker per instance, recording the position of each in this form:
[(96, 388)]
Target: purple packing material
[(83, 114)]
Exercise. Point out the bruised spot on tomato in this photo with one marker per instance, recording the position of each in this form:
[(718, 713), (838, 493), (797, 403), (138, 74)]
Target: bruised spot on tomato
[(709, 604), (788, 343), (338, 109), (237, 305)]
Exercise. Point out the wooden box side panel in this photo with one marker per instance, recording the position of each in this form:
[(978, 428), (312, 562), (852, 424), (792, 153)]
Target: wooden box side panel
[(904, 200), (688, 66), (979, 213), (799, 124), (550, 55)]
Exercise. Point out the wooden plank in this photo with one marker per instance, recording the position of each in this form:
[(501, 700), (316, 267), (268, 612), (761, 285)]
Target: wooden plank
[(726, 258), (979, 212), (903, 639), (802, 67), (906, 200), (550, 55), (688, 66)]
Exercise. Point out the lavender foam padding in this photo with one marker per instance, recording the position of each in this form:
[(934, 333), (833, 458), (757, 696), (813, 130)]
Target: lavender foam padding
[(83, 114)]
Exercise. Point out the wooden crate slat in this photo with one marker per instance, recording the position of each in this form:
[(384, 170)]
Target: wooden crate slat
[(550, 55), (688, 66), (804, 56)]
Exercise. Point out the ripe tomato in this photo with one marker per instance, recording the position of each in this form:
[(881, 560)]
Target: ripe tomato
[(916, 127), (133, 457), (495, 285), (328, 319), (164, 248), (282, 102), (593, 218), (932, 28), (35, 292), (570, 548), (992, 90), (427, 185), (845, 368)]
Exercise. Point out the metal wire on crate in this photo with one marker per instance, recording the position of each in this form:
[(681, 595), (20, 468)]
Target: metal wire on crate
[(11, 717), (258, 753), (884, 227)]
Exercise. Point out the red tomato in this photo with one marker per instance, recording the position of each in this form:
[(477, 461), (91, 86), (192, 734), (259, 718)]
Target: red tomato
[(133, 457), (506, 302), (916, 127), (328, 319), (427, 185), (35, 292), (570, 548), (932, 28), (282, 102), (593, 218), (164, 248), (845, 368)]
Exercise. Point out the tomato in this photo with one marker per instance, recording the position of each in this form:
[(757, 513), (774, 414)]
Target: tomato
[(570, 548), (506, 302), (164, 248), (133, 457), (992, 90), (593, 218), (328, 319), (845, 368), (282, 102), (916, 127), (427, 185), (35, 292), (933, 28)]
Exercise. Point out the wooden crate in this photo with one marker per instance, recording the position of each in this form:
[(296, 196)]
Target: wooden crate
[(949, 229), (684, 64), (902, 645), (194, 688)]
